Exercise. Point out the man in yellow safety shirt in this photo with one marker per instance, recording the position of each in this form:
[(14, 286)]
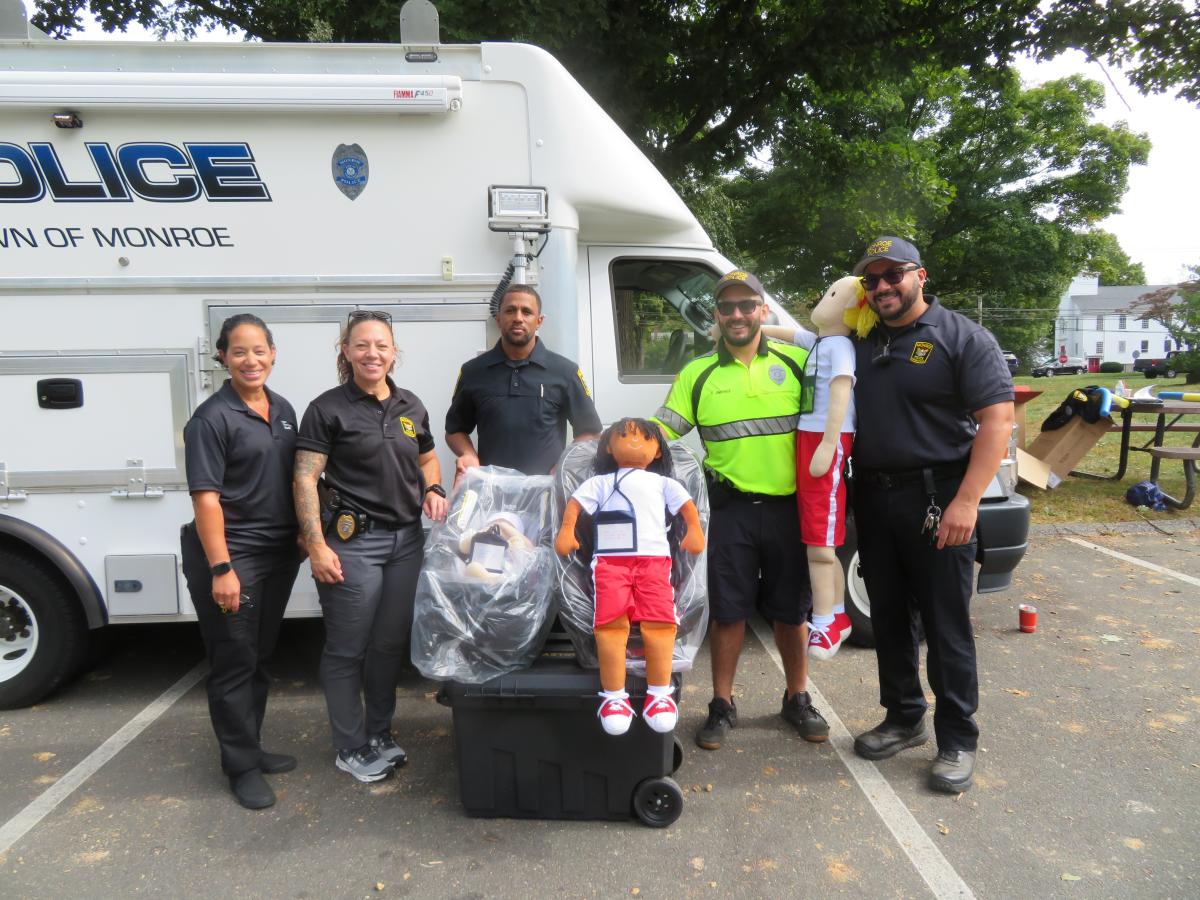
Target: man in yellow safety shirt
[(745, 399)]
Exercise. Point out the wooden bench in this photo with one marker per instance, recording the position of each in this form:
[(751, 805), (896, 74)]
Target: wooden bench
[(1189, 456), (1186, 427)]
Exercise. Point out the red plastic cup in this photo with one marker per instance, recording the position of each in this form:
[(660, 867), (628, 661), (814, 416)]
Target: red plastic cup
[(1028, 615)]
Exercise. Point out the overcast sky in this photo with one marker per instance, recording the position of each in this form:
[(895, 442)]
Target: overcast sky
[(1158, 222)]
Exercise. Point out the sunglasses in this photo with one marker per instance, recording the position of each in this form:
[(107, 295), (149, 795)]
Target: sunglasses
[(891, 276), (745, 307), (361, 315)]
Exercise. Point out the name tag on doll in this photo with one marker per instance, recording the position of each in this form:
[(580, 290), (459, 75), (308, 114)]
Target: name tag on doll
[(616, 532), (488, 550)]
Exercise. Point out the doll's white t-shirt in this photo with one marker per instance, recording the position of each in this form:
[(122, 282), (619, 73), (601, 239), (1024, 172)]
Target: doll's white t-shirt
[(649, 493), (832, 357)]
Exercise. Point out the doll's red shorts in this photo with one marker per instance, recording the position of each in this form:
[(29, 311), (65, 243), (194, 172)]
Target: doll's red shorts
[(822, 500), (636, 586)]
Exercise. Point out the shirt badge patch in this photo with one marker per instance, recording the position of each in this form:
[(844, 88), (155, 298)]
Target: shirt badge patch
[(583, 381), (406, 425), (285, 424), (776, 374), (921, 352)]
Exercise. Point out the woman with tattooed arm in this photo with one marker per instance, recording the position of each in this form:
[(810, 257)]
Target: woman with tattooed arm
[(371, 441)]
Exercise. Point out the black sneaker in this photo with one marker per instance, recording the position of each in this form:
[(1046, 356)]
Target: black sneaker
[(385, 745), (364, 764), (799, 712), (722, 716)]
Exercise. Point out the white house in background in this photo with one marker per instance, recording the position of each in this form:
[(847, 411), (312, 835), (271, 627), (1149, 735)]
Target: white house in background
[(1091, 324)]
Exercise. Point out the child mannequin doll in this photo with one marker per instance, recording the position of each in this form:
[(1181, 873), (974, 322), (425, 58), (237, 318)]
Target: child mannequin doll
[(631, 503)]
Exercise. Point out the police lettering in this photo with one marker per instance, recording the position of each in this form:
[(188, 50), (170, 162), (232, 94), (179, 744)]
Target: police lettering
[(160, 173)]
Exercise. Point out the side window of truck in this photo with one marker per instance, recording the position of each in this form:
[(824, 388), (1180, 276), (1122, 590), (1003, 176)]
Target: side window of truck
[(663, 311)]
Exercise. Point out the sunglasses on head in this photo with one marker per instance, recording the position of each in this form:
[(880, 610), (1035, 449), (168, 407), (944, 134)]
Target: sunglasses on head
[(360, 315), (745, 307), (891, 276)]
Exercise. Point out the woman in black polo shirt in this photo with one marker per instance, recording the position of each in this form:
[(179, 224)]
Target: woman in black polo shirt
[(371, 440), (240, 555)]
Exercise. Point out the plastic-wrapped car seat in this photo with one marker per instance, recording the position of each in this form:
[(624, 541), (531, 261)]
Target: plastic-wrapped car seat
[(689, 574), (485, 599)]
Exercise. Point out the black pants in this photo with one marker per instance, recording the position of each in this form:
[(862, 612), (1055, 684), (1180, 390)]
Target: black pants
[(239, 644), (904, 575), (368, 627)]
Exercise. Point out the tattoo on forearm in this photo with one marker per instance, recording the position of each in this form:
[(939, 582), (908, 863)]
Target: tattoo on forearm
[(308, 468)]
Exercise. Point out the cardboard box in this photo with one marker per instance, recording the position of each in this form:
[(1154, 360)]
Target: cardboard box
[(1033, 471), (1063, 448)]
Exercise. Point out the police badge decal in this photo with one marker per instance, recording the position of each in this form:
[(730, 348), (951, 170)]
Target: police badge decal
[(350, 169)]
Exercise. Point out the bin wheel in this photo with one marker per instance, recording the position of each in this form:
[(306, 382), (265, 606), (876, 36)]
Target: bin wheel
[(658, 802), (676, 755)]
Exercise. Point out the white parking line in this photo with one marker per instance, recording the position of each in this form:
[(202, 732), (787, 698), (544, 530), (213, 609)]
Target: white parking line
[(20, 824), (1186, 579), (928, 860)]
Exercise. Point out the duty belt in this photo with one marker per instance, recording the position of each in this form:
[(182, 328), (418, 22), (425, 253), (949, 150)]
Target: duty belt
[(722, 489), (889, 478)]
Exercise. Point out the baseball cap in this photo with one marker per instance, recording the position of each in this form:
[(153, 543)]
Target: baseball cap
[(888, 247), (739, 276)]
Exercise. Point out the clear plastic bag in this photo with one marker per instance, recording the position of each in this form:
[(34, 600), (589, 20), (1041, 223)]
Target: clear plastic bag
[(485, 598), (689, 574)]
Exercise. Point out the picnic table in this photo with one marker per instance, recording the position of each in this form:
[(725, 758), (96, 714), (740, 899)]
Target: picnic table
[(1179, 412)]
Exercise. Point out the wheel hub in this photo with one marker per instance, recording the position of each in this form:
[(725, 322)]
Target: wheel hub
[(14, 621)]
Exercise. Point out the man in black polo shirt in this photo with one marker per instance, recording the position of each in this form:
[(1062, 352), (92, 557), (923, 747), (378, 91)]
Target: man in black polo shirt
[(935, 412), (520, 396)]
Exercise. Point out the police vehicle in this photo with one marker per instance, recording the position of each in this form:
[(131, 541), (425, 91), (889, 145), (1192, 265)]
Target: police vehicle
[(150, 190)]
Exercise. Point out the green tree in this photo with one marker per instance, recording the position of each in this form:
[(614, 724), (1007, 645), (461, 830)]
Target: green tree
[(1106, 259), (998, 185)]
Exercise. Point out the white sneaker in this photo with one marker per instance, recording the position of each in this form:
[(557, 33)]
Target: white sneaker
[(616, 715), (660, 713)]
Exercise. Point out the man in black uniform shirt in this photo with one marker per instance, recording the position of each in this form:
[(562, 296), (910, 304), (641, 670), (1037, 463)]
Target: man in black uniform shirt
[(520, 396), (935, 412)]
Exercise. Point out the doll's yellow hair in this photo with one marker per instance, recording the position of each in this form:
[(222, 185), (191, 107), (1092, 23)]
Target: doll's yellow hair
[(860, 317)]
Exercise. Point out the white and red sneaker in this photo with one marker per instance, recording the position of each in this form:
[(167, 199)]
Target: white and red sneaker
[(823, 643), (615, 714), (660, 713)]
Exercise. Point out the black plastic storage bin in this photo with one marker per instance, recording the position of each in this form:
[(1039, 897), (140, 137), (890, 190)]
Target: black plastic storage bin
[(529, 745)]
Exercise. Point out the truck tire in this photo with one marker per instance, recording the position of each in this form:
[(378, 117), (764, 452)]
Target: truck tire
[(1171, 373), (43, 630), (858, 604)]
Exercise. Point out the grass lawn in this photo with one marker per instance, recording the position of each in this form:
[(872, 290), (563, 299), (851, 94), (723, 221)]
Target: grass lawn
[(1087, 500)]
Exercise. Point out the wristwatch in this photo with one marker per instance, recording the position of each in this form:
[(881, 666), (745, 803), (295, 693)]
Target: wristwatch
[(221, 568), (437, 489)]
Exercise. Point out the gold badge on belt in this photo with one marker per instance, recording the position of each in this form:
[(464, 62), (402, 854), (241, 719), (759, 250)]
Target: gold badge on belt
[(346, 526)]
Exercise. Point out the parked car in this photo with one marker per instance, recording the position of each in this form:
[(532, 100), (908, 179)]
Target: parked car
[(1051, 367), (1011, 359), (1152, 367)]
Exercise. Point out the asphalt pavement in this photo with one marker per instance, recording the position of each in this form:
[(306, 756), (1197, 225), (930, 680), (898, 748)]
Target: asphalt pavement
[(1088, 781)]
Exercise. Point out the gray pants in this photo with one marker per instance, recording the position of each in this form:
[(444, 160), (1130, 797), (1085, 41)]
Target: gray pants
[(368, 625)]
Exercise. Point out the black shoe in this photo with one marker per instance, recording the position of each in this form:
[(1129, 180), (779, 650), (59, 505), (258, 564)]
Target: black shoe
[(252, 790), (385, 745), (885, 740), (953, 771), (721, 717), (275, 763), (799, 712)]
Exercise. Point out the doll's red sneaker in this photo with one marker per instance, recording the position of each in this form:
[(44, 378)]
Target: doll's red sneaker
[(660, 713), (823, 643), (616, 715)]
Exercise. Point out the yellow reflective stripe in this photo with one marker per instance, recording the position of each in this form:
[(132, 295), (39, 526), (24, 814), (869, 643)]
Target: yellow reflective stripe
[(749, 428)]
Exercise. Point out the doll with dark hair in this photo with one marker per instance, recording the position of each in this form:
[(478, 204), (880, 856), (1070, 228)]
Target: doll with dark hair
[(631, 500)]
